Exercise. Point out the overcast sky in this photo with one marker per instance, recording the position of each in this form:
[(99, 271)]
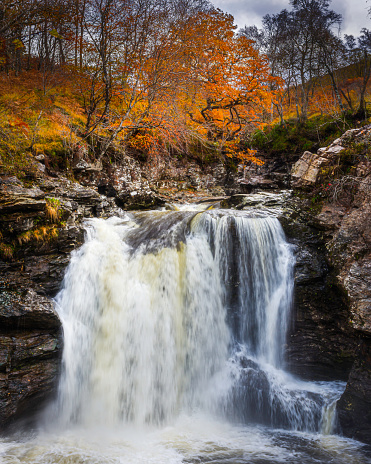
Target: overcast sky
[(250, 12)]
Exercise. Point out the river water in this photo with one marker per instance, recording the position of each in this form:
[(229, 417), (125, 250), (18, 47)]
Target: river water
[(174, 330)]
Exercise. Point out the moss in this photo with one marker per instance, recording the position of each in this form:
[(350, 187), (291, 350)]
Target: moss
[(293, 138)]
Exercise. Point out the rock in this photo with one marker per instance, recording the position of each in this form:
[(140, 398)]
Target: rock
[(40, 157), (138, 200), (321, 344), (354, 406), (321, 341), (302, 166), (330, 217), (25, 389), (30, 347), (306, 172), (344, 294), (349, 252), (26, 310), (19, 203), (81, 165)]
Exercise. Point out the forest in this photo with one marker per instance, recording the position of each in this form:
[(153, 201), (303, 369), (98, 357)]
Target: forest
[(94, 79)]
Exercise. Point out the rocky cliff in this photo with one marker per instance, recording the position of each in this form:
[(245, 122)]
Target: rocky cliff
[(337, 180)]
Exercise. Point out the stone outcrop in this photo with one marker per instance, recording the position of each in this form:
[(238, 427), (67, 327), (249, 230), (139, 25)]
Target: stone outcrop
[(321, 343), (354, 407), (30, 347), (344, 221), (307, 171)]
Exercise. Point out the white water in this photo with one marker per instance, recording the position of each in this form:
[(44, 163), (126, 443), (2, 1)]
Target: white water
[(174, 328)]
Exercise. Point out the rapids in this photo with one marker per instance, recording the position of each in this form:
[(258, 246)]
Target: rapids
[(174, 333)]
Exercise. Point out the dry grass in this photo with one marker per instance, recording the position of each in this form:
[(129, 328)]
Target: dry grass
[(52, 210), (6, 251)]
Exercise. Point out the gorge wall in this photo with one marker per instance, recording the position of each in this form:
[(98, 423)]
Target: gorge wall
[(331, 323)]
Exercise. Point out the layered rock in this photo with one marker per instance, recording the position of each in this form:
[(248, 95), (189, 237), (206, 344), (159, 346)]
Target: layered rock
[(321, 343), (30, 346), (345, 223), (307, 171)]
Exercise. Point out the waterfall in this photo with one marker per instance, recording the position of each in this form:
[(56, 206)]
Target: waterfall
[(174, 335), (172, 312)]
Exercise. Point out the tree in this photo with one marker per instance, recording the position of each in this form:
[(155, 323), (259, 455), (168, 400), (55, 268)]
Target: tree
[(231, 79), (301, 45), (360, 56)]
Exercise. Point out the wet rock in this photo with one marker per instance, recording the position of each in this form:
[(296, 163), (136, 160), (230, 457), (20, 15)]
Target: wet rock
[(26, 310), (138, 200), (24, 390), (30, 347), (354, 407), (321, 341), (272, 203), (258, 396), (344, 227)]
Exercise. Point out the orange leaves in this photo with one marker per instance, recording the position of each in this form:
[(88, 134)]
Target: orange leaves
[(232, 80), (19, 123), (232, 149)]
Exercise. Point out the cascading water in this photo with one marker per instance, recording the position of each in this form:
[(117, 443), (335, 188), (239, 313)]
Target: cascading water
[(151, 316), (174, 331), (147, 339)]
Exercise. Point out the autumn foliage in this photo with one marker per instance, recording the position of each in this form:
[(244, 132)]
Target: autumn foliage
[(116, 75), (92, 79)]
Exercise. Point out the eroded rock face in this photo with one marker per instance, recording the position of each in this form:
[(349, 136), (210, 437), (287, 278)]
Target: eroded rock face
[(321, 343), (345, 224), (354, 407), (30, 349)]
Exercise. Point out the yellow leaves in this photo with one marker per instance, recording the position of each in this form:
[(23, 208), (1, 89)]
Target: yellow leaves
[(18, 44), (54, 33), (25, 237), (40, 234), (6, 251)]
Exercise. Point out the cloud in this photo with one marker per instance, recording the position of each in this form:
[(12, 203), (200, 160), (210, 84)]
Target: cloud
[(250, 12), (355, 15)]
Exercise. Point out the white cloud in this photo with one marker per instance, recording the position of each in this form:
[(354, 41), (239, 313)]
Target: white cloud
[(250, 12)]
